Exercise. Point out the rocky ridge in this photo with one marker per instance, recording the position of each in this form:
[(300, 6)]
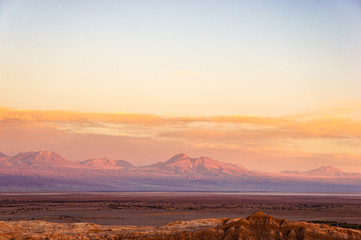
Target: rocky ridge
[(257, 226)]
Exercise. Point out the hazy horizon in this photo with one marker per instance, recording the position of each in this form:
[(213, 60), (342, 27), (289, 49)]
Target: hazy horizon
[(105, 158)]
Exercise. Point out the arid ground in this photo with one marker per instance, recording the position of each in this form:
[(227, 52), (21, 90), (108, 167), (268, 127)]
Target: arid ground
[(156, 209)]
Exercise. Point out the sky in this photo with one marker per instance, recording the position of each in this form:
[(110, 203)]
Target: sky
[(271, 85)]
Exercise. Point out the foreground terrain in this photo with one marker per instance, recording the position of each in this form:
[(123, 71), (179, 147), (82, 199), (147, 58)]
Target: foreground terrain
[(257, 226)]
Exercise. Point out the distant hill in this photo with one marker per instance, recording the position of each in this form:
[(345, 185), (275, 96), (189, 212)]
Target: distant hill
[(326, 171), (3, 157), (106, 163), (183, 164), (37, 159)]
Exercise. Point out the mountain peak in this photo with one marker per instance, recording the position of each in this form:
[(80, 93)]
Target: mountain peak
[(178, 157), (181, 155), (46, 154), (325, 171), (327, 167), (106, 163), (183, 164), (3, 155), (40, 158)]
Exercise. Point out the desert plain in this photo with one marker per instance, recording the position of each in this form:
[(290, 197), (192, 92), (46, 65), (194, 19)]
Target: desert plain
[(159, 208)]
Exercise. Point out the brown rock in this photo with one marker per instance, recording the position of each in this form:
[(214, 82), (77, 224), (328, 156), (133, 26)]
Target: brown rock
[(255, 227)]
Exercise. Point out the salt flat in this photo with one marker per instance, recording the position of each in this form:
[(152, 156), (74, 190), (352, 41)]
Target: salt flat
[(156, 209)]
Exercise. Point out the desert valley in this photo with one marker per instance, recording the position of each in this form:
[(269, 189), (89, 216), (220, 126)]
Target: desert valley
[(179, 215), (45, 196), (172, 120)]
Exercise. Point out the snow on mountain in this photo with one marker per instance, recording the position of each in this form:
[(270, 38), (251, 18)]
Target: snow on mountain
[(325, 171), (183, 164), (106, 163)]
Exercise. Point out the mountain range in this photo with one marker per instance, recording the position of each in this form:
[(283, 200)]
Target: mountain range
[(44, 170)]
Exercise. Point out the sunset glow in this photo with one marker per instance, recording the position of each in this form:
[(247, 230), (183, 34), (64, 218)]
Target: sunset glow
[(301, 142), (271, 85)]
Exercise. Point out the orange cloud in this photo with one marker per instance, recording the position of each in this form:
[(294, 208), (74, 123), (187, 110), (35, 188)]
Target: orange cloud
[(126, 118), (230, 133), (257, 142), (214, 127)]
